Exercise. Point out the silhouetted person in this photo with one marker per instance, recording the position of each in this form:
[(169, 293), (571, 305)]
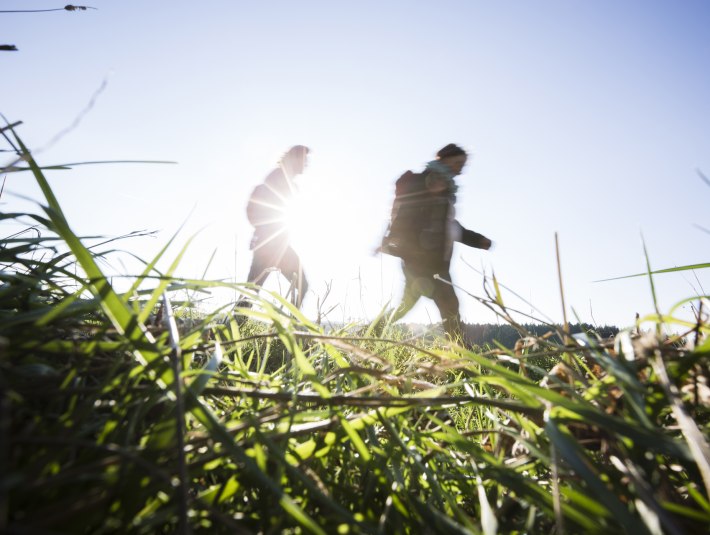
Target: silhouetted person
[(266, 211), (422, 232)]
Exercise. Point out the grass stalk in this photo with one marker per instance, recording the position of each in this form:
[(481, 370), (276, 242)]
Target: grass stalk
[(118, 422), (176, 360)]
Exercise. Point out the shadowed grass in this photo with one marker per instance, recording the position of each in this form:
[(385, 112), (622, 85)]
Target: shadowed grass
[(259, 420)]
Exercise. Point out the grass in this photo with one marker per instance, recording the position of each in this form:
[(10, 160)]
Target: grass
[(117, 417)]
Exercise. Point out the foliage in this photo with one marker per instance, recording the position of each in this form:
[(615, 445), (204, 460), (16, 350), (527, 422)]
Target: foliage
[(490, 334), (116, 417)]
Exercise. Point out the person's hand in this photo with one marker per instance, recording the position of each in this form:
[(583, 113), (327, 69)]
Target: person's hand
[(487, 244)]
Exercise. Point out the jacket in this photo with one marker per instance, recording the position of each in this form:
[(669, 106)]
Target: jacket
[(423, 226), (267, 209)]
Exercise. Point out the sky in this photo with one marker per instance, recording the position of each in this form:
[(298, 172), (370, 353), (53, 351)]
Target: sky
[(585, 119)]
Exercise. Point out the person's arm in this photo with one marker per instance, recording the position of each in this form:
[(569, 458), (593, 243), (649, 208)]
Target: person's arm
[(471, 238)]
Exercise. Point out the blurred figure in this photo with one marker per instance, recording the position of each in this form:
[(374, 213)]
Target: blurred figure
[(267, 210), (422, 232)]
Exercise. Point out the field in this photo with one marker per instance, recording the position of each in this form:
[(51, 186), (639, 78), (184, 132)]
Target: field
[(132, 412)]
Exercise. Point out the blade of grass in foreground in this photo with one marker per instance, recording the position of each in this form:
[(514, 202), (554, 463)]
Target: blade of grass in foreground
[(578, 460), (145, 348), (659, 271), (113, 306), (66, 166), (219, 433)]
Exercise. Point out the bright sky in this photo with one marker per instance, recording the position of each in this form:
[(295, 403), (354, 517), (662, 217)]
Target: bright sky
[(584, 118)]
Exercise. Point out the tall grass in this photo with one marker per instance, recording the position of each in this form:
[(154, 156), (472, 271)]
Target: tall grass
[(116, 416)]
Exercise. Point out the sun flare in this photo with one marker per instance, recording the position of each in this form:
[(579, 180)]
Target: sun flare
[(316, 220)]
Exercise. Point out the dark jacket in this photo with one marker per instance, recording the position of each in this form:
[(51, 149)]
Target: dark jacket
[(423, 225)]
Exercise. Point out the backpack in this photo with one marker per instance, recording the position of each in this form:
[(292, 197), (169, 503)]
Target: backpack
[(407, 216)]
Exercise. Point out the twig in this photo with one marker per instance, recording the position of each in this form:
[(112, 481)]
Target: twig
[(68, 7), (527, 302), (703, 177), (591, 314), (330, 338), (562, 291), (9, 127), (379, 401), (646, 493), (78, 118), (698, 446), (699, 324), (505, 316), (556, 501), (62, 133), (649, 272)]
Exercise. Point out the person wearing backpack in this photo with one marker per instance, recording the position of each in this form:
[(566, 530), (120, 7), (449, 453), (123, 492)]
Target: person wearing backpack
[(422, 232), (266, 211)]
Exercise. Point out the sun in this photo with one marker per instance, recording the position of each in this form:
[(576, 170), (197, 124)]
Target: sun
[(316, 220), (335, 228)]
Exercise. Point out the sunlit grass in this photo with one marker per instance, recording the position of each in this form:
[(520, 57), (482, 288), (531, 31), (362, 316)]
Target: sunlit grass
[(134, 412)]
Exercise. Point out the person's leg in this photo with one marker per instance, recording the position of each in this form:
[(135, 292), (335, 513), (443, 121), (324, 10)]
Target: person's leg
[(292, 268), (448, 304), (414, 287), (409, 298), (261, 262), (259, 270)]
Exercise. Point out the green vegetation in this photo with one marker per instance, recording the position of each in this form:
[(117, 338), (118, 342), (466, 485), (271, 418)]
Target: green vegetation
[(116, 417)]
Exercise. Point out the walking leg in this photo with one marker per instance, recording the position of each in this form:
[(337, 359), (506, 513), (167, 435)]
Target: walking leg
[(448, 305), (292, 268)]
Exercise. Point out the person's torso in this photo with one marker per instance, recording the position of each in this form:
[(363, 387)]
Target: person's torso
[(422, 216), (268, 206)]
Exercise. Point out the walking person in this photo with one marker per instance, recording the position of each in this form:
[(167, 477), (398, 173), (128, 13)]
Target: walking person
[(267, 210), (422, 233)]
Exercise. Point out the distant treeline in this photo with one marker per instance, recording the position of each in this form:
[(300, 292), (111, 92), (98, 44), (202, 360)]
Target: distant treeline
[(489, 333)]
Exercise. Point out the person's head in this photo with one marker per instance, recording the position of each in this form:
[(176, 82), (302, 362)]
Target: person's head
[(454, 157), (294, 161)]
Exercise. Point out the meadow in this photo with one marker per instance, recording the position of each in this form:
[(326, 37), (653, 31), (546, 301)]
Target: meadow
[(135, 412)]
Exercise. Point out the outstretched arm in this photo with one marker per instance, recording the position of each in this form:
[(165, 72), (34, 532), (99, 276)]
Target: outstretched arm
[(471, 238)]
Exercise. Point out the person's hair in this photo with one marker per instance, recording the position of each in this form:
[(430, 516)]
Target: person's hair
[(450, 150), (296, 153)]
